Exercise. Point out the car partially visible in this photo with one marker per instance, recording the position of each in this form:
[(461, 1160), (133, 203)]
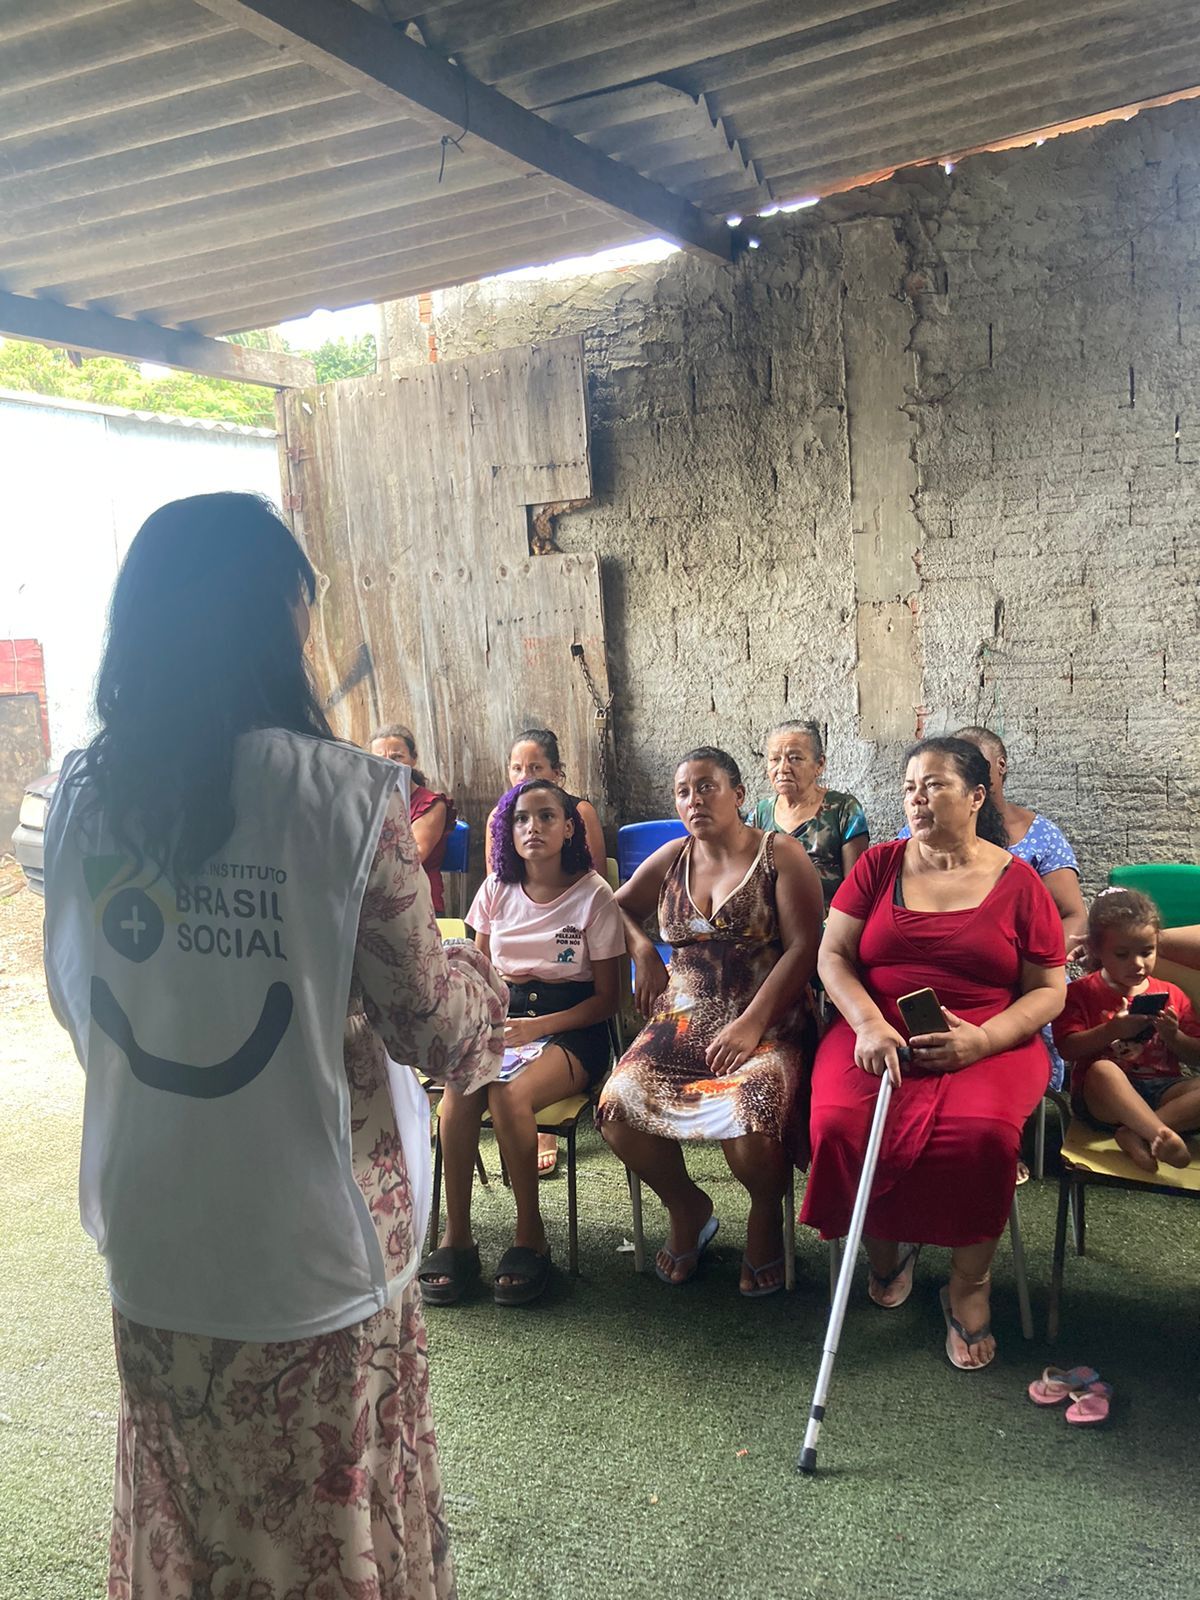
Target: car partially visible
[(28, 842)]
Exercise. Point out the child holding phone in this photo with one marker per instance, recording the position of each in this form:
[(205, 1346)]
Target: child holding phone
[(1127, 1035)]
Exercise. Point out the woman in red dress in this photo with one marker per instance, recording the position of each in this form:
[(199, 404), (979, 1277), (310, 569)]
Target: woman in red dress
[(430, 811), (948, 909)]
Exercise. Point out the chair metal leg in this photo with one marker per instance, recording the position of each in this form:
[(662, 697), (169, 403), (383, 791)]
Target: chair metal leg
[(1018, 1251), (639, 1237), (435, 1209), (1077, 1215), (572, 1208), (1039, 1141), (1065, 1186), (480, 1168), (835, 1265), (789, 1236)]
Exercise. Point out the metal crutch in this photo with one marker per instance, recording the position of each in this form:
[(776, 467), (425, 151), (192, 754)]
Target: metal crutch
[(807, 1461)]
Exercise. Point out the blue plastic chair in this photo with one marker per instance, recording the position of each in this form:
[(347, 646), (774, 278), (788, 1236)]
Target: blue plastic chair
[(458, 848), (636, 841)]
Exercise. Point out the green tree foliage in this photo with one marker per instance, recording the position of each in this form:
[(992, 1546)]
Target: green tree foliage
[(107, 381), (345, 358)]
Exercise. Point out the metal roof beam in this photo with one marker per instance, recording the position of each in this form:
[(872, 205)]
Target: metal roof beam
[(338, 37), (98, 334)]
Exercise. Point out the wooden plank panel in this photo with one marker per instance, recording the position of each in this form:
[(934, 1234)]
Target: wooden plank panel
[(409, 491)]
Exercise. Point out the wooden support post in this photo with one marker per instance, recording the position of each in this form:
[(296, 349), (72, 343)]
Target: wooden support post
[(97, 333)]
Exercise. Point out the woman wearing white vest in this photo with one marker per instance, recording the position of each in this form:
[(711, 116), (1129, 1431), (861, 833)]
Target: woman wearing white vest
[(238, 936)]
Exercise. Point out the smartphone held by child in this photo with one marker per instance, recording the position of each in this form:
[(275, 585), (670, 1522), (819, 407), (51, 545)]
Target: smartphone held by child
[(1131, 1039)]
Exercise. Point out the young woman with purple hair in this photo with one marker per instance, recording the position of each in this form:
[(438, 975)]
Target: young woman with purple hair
[(551, 927)]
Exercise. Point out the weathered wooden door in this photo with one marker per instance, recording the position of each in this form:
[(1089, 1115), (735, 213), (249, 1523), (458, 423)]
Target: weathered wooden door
[(411, 493)]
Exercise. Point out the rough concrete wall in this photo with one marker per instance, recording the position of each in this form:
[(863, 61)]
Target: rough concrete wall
[(1020, 427)]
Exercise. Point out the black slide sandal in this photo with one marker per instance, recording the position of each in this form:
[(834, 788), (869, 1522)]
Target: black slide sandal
[(460, 1268), (530, 1267)]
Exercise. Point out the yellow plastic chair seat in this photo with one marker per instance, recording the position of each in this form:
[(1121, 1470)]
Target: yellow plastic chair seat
[(559, 1115), (1089, 1150), (452, 927)]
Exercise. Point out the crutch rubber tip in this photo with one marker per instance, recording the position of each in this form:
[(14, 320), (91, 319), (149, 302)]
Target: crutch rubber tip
[(808, 1461)]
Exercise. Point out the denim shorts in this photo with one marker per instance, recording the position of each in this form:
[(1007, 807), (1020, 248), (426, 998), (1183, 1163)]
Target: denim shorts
[(1153, 1089)]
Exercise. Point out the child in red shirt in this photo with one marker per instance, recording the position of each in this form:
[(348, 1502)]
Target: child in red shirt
[(1125, 1069)]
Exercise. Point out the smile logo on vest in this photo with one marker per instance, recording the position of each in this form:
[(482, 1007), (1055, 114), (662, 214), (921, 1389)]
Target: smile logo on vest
[(133, 925)]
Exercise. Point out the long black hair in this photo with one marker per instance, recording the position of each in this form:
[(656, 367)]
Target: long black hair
[(202, 646), (972, 767)]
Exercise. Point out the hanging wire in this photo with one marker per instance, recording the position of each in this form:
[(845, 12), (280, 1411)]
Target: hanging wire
[(456, 139)]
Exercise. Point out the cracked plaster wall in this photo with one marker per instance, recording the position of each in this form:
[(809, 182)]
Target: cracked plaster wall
[(922, 444)]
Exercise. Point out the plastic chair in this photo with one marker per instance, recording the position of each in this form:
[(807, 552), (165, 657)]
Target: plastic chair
[(637, 840), (452, 927), (1090, 1156), (455, 864), (458, 848), (1173, 886)]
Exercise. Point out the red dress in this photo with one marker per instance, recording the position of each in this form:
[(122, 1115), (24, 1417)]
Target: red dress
[(947, 1166), (419, 803)]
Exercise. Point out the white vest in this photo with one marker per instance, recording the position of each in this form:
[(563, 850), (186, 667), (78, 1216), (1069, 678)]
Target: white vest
[(208, 1014)]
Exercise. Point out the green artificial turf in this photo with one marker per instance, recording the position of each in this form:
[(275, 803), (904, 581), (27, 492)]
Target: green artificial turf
[(624, 1439)]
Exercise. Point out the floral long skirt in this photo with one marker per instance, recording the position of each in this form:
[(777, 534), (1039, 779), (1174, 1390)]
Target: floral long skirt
[(299, 1471)]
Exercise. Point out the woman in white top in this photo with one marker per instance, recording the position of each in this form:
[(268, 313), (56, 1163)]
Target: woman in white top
[(254, 1186), (551, 927)]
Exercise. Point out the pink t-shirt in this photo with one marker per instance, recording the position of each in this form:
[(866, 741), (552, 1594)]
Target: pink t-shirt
[(556, 942)]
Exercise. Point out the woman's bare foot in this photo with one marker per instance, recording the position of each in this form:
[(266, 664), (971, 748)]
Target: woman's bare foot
[(547, 1154), (971, 1303), (762, 1265), (1138, 1150), (1169, 1146), (687, 1222)]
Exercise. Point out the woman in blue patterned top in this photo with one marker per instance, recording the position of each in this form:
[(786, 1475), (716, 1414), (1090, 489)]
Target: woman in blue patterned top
[(829, 824)]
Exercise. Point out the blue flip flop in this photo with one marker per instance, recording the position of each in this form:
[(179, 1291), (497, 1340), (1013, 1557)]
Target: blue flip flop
[(703, 1239)]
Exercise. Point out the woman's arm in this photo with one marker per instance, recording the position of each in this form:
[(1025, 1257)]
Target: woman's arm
[(1043, 993), (594, 834), (1063, 884), (488, 864), (876, 1042), (799, 905), (602, 1005), (637, 901), (851, 850), (439, 1008), (429, 829)]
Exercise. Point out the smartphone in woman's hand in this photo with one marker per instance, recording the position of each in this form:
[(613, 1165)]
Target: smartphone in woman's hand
[(922, 1013)]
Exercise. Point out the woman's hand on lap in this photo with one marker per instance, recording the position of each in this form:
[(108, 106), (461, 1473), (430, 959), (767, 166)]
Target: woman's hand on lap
[(949, 1052), (732, 1047), (520, 1031), (649, 981), (877, 1050)]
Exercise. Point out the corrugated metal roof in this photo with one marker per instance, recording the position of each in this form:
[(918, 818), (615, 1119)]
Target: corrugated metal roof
[(157, 162)]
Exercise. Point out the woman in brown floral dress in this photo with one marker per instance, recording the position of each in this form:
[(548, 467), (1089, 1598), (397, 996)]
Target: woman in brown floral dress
[(295, 1458), (724, 1052)]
